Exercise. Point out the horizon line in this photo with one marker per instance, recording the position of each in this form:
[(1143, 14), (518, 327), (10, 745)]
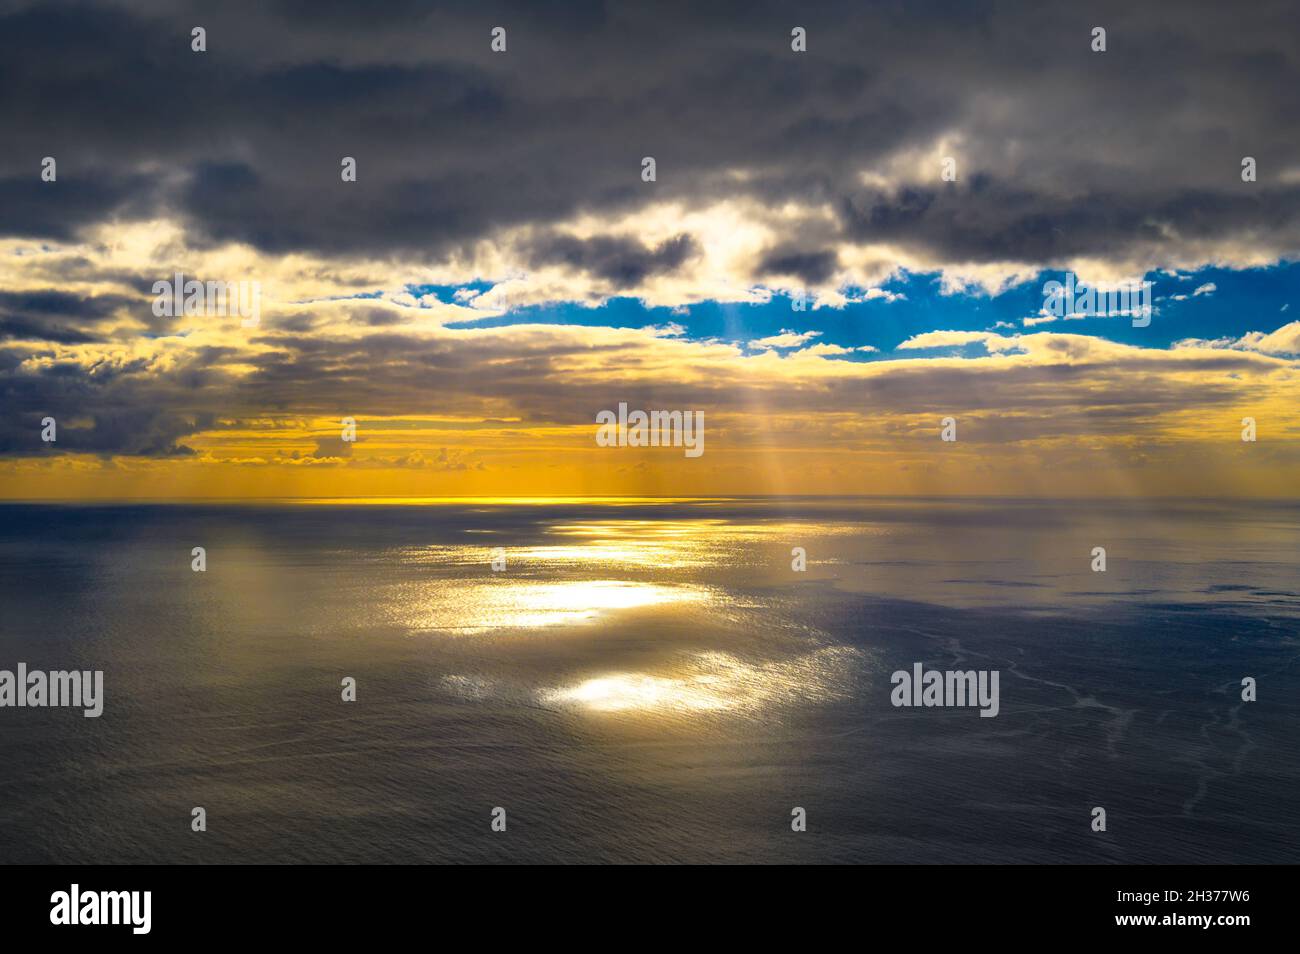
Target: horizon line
[(542, 499)]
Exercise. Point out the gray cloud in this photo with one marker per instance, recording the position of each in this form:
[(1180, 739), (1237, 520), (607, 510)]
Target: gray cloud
[(1060, 151), (621, 262), (138, 407), (811, 266), (1131, 155), (56, 316)]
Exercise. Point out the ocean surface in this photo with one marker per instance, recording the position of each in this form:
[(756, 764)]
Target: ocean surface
[(651, 681)]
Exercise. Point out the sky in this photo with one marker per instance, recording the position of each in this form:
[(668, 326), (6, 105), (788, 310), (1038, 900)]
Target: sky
[(840, 247)]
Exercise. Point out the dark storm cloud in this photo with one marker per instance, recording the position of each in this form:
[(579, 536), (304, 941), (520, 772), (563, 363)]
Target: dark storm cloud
[(992, 221), (139, 406), (55, 316), (812, 267), (621, 262), (111, 404), (1061, 151), (1130, 155), (91, 416), (81, 195)]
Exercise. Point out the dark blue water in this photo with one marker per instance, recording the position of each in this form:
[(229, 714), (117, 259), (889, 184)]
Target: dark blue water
[(653, 682)]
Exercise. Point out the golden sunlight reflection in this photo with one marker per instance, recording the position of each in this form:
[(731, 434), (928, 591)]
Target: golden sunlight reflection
[(679, 543), (472, 607), (714, 681), (640, 544), (534, 593)]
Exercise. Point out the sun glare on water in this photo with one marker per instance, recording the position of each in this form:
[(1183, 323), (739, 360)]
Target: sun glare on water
[(712, 681), (480, 606)]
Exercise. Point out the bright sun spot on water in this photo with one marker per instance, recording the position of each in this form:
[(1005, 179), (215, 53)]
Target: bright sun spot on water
[(713, 681), (481, 606), (632, 691)]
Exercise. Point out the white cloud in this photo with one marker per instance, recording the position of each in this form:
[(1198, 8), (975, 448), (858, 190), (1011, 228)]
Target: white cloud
[(826, 350), (786, 339), (950, 339), (1284, 341)]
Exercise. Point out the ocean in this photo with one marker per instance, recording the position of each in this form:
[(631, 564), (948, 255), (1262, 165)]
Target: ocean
[(652, 681)]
